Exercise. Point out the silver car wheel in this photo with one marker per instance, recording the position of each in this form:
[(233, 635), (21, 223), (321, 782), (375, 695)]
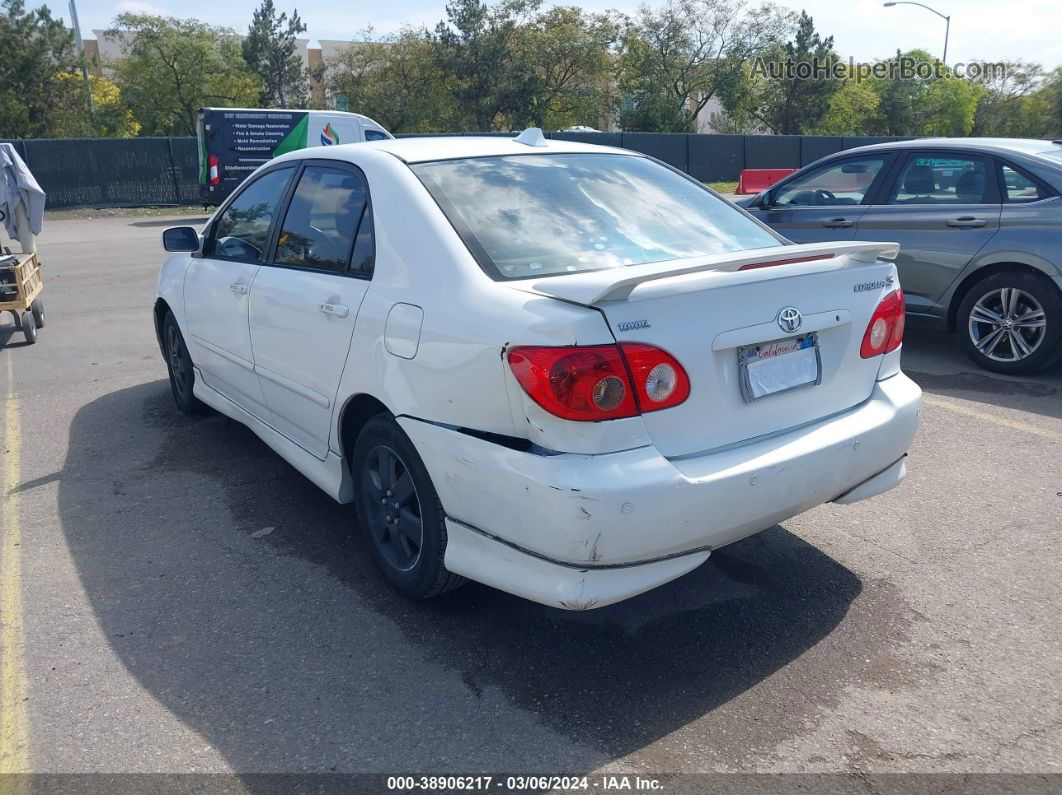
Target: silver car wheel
[(1007, 325)]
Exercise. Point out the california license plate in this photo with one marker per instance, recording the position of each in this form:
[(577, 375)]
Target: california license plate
[(771, 368)]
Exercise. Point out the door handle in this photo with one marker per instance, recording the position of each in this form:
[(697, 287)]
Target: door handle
[(838, 223), (965, 222), (339, 310), (240, 288)]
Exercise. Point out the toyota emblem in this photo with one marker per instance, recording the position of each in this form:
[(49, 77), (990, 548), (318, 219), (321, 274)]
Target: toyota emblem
[(789, 319)]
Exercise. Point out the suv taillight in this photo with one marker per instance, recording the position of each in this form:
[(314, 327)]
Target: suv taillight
[(885, 331), (600, 382)]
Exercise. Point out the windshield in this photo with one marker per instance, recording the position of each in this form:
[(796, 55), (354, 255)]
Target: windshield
[(541, 215)]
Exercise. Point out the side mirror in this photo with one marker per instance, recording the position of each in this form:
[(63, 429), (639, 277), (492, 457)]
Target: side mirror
[(180, 238)]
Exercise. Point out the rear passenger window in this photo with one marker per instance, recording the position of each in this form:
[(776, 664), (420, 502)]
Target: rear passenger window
[(242, 231), (943, 180), (364, 260), (1019, 187), (323, 220)]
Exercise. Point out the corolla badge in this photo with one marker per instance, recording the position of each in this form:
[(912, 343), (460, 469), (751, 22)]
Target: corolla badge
[(789, 319), (875, 285)]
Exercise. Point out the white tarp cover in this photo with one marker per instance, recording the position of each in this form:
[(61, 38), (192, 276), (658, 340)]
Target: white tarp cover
[(17, 184)]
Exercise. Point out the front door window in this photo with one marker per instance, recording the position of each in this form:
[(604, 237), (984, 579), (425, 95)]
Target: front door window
[(241, 232), (832, 185)]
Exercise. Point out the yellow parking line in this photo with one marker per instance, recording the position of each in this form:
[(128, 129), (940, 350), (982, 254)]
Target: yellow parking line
[(14, 738), (961, 408)]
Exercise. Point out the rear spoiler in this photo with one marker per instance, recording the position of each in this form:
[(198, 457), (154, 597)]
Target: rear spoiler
[(616, 284)]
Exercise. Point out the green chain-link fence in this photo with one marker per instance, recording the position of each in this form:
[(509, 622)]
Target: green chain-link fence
[(128, 172)]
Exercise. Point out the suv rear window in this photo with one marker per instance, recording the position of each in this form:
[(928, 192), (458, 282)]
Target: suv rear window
[(527, 216)]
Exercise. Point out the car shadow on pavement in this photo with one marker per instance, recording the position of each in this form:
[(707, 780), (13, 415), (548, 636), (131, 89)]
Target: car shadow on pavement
[(242, 599)]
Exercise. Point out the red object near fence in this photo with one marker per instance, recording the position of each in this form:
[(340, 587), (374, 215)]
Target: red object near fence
[(753, 180)]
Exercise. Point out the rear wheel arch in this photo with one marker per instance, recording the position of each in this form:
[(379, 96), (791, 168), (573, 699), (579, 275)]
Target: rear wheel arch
[(982, 273), (356, 411)]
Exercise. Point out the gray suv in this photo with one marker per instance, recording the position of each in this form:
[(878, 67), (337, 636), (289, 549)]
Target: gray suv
[(979, 222)]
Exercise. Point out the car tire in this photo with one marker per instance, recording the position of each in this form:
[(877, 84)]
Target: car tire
[(399, 512), (179, 366), (37, 308), (1011, 323)]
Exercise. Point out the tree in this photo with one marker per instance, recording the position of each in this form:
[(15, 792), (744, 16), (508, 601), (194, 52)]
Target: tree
[(70, 117), (568, 54), (674, 59), (475, 47), (1014, 104), (1053, 90), (920, 96), (271, 52), (789, 88), (952, 103), (394, 80), (34, 50), (172, 67), (853, 109)]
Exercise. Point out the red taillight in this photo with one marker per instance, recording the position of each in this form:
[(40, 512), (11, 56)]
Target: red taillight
[(660, 382), (885, 331), (215, 175), (594, 382), (576, 383)]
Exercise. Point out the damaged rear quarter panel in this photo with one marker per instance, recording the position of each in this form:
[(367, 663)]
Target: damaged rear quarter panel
[(541, 503)]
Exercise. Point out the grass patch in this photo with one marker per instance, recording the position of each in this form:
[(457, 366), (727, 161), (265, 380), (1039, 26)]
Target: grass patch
[(723, 187)]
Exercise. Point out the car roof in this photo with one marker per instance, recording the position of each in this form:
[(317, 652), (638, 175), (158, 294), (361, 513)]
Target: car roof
[(455, 147), (1027, 146)]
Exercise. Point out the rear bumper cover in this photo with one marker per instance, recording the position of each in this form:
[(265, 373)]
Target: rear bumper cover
[(579, 531)]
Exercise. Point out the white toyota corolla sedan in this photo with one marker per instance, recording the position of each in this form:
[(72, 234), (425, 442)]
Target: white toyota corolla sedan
[(566, 371)]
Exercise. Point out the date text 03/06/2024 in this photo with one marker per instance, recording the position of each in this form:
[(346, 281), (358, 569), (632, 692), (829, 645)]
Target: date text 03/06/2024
[(523, 783)]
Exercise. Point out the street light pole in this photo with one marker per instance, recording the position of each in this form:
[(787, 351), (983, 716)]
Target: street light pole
[(947, 20), (81, 51)]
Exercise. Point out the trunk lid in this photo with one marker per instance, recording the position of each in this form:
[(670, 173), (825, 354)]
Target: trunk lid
[(703, 312)]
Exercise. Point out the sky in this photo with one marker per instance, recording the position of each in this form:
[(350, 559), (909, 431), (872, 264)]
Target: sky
[(984, 30)]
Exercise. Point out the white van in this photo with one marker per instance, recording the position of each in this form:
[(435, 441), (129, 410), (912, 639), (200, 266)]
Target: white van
[(233, 142)]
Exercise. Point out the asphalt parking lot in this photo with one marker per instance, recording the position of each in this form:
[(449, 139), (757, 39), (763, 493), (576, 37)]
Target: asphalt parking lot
[(177, 598)]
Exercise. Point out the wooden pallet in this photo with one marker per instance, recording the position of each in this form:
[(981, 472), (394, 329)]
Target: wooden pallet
[(20, 283)]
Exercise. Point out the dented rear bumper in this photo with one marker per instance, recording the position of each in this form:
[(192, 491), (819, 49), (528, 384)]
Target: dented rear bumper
[(578, 531)]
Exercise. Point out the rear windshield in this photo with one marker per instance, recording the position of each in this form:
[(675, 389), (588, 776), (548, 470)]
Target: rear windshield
[(542, 215)]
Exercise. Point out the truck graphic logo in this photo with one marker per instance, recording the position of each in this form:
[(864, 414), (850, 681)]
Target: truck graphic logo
[(329, 136)]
